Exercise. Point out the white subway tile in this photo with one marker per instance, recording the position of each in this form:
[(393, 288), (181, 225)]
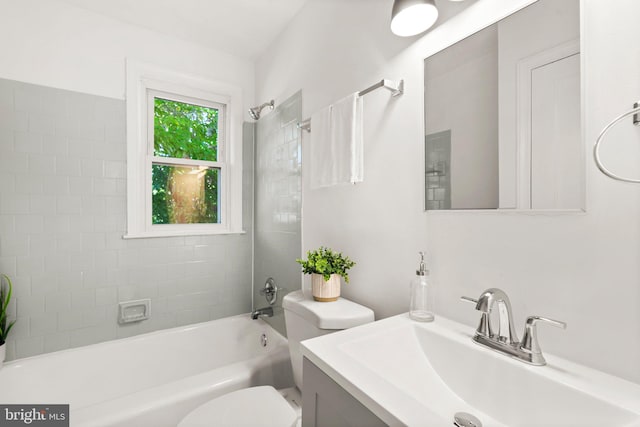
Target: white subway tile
[(70, 281), (27, 98), (7, 183), (28, 142), (16, 204), (92, 168), (43, 324), (80, 186), (58, 185), (56, 223), (69, 205), (44, 283), (106, 260), (57, 263), (93, 241), (116, 205), (94, 317), (40, 122), (106, 296), (57, 145), (67, 166), (83, 263), (7, 224), (27, 347), (29, 224), (91, 131), (188, 317), (30, 305), (8, 265), (96, 279), (78, 148), (69, 320), (57, 301), (20, 328), (92, 335), (93, 205), (15, 244), (70, 242), (28, 184), (14, 162), (115, 169), (42, 204), (29, 265), (56, 341), (21, 286), (129, 330), (83, 299), (11, 349), (42, 244), (104, 186), (41, 164)]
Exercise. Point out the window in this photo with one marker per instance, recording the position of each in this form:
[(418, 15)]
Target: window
[(183, 155)]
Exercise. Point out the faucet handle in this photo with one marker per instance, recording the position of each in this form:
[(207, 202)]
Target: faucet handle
[(469, 300), (557, 323), (484, 327), (529, 343)]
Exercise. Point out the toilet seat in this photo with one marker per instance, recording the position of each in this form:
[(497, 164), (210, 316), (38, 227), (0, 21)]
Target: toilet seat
[(251, 407)]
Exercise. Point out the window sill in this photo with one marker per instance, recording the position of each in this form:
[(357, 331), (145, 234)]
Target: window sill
[(154, 234)]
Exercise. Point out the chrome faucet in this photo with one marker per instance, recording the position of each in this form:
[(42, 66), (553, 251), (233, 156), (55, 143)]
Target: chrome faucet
[(262, 312), (506, 340)]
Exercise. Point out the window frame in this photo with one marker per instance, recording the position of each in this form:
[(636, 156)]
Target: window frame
[(144, 84)]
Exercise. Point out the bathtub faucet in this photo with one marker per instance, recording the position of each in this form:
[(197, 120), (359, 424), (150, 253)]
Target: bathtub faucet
[(262, 312)]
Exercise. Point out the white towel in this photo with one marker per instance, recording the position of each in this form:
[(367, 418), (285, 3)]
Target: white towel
[(337, 144)]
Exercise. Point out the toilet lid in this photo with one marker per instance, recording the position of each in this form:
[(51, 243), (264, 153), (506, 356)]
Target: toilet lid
[(251, 407)]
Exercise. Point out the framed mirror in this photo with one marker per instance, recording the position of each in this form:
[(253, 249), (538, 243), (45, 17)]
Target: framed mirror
[(503, 121)]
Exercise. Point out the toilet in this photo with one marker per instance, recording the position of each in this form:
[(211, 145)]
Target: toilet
[(265, 406)]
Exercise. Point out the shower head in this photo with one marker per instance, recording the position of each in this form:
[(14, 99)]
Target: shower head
[(255, 111)]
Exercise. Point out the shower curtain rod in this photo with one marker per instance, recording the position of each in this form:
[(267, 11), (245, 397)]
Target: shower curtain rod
[(396, 88)]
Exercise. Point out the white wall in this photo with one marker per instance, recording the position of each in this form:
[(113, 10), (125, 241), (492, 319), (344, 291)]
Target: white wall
[(582, 269), (51, 43)]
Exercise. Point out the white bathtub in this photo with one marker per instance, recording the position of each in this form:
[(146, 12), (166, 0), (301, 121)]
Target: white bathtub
[(153, 379)]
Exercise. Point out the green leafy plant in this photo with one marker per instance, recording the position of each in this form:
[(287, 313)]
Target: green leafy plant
[(5, 298), (326, 262)]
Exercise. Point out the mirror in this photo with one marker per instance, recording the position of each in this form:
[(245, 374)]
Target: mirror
[(503, 115)]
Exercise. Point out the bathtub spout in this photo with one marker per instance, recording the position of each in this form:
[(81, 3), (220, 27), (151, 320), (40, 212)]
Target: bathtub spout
[(262, 312)]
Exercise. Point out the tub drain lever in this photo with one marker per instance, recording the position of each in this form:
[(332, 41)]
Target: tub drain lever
[(463, 419)]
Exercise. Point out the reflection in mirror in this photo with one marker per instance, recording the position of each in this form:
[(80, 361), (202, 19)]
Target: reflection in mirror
[(503, 117)]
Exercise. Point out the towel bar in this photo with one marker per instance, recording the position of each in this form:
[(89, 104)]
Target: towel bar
[(396, 88)]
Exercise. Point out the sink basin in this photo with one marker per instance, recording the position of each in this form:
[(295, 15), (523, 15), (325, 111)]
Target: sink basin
[(410, 373)]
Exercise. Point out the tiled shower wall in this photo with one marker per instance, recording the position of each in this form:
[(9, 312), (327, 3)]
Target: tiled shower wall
[(278, 192), (62, 218)]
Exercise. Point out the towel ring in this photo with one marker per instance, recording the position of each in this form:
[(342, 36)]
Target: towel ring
[(596, 148)]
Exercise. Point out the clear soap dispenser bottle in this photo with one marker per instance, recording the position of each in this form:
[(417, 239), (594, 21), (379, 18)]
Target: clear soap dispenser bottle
[(421, 305)]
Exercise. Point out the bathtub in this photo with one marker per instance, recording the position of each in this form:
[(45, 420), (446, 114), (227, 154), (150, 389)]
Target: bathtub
[(153, 379)]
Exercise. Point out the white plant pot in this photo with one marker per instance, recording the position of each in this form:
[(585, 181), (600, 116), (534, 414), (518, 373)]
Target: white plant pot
[(3, 353), (325, 291)]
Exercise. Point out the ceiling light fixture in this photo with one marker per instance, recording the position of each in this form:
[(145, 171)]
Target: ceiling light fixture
[(411, 17)]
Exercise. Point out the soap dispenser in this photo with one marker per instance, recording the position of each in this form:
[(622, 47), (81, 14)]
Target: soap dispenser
[(421, 305)]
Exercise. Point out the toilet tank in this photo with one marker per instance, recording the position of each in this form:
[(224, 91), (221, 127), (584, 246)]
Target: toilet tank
[(306, 318)]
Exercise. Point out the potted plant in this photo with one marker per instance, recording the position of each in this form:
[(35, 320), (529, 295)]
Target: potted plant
[(326, 267), (5, 297)]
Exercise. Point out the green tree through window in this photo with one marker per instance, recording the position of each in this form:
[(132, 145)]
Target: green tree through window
[(185, 194)]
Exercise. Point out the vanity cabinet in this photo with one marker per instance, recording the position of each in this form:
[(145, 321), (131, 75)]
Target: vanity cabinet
[(326, 404)]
